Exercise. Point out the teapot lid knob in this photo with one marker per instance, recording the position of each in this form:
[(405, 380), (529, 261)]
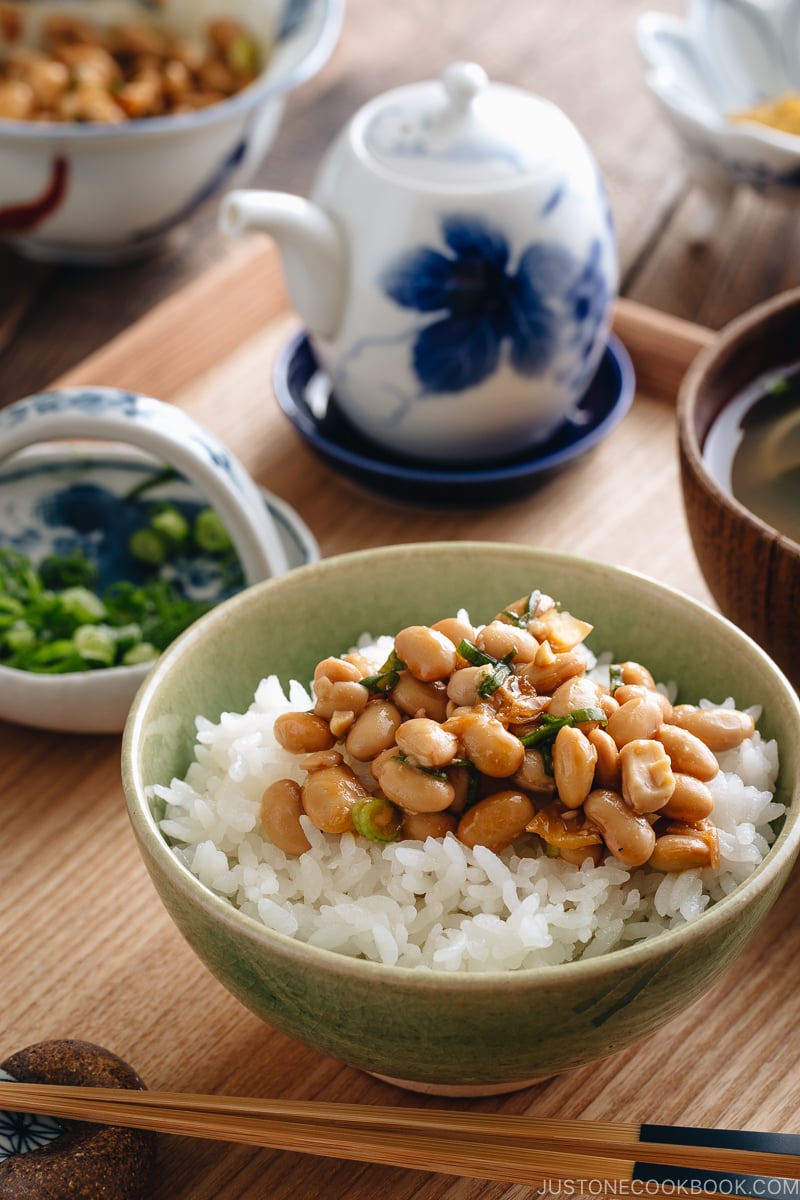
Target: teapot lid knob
[(462, 82)]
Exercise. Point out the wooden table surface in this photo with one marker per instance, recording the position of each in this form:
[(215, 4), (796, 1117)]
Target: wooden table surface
[(88, 950)]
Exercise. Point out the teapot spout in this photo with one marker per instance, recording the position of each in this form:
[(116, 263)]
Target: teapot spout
[(311, 246)]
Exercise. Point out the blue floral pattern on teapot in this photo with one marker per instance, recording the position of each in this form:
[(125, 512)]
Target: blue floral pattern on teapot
[(548, 297)]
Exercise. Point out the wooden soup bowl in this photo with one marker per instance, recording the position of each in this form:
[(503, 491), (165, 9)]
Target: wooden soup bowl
[(752, 570)]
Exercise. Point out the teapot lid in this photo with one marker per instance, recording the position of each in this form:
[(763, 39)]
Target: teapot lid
[(460, 129)]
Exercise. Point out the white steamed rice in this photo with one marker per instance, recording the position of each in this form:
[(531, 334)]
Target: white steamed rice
[(438, 904)]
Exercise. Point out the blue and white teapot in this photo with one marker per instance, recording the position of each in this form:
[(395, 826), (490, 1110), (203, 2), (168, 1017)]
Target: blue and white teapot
[(456, 267)]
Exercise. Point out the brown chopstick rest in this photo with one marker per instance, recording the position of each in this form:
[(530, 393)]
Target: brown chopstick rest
[(41, 1159)]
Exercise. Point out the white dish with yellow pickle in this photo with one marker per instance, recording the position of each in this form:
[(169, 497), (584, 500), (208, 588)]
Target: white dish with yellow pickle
[(727, 79)]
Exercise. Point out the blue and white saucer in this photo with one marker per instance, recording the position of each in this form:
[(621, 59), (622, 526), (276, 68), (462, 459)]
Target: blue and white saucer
[(305, 396)]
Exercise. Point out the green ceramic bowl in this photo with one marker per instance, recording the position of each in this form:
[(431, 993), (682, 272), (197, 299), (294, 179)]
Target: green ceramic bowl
[(462, 1034)]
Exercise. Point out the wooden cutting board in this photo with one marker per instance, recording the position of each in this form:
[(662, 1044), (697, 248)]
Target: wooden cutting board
[(88, 950)]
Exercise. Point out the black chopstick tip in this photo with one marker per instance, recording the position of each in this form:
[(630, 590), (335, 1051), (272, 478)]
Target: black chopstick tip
[(722, 1139)]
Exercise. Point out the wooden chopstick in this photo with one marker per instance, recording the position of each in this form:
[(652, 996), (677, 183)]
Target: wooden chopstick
[(508, 1148)]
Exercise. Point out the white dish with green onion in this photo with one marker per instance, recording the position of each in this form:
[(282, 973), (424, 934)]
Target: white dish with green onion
[(105, 555)]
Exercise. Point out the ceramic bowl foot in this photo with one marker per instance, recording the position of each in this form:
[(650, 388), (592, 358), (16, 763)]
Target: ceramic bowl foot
[(456, 1090)]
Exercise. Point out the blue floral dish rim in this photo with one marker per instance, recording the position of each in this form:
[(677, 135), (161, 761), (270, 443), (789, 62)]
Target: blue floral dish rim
[(295, 366)]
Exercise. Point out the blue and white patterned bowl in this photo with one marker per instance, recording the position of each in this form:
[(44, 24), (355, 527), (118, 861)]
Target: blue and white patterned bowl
[(59, 496), (97, 194), (22, 1132), (726, 57)]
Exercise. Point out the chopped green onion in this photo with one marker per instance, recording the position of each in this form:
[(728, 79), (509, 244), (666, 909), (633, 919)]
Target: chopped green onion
[(168, 533), (473, 780), (579, 715), (549, 726), (545, 731), (58, 657), (170, 523), (20, 637), (500, 667), (436, 772), (148, 546), (387, 678), (142, 652), (497, 676), (614, 676), (210, 534), (470, 652), (376, 818), (68, 570), (55, 632), (85, 607), (95, 644), (11, 607), (524, 618), (127, 636), (473, 786)]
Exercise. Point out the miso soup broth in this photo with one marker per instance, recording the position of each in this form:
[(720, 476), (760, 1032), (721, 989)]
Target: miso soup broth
[(753, 450)]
